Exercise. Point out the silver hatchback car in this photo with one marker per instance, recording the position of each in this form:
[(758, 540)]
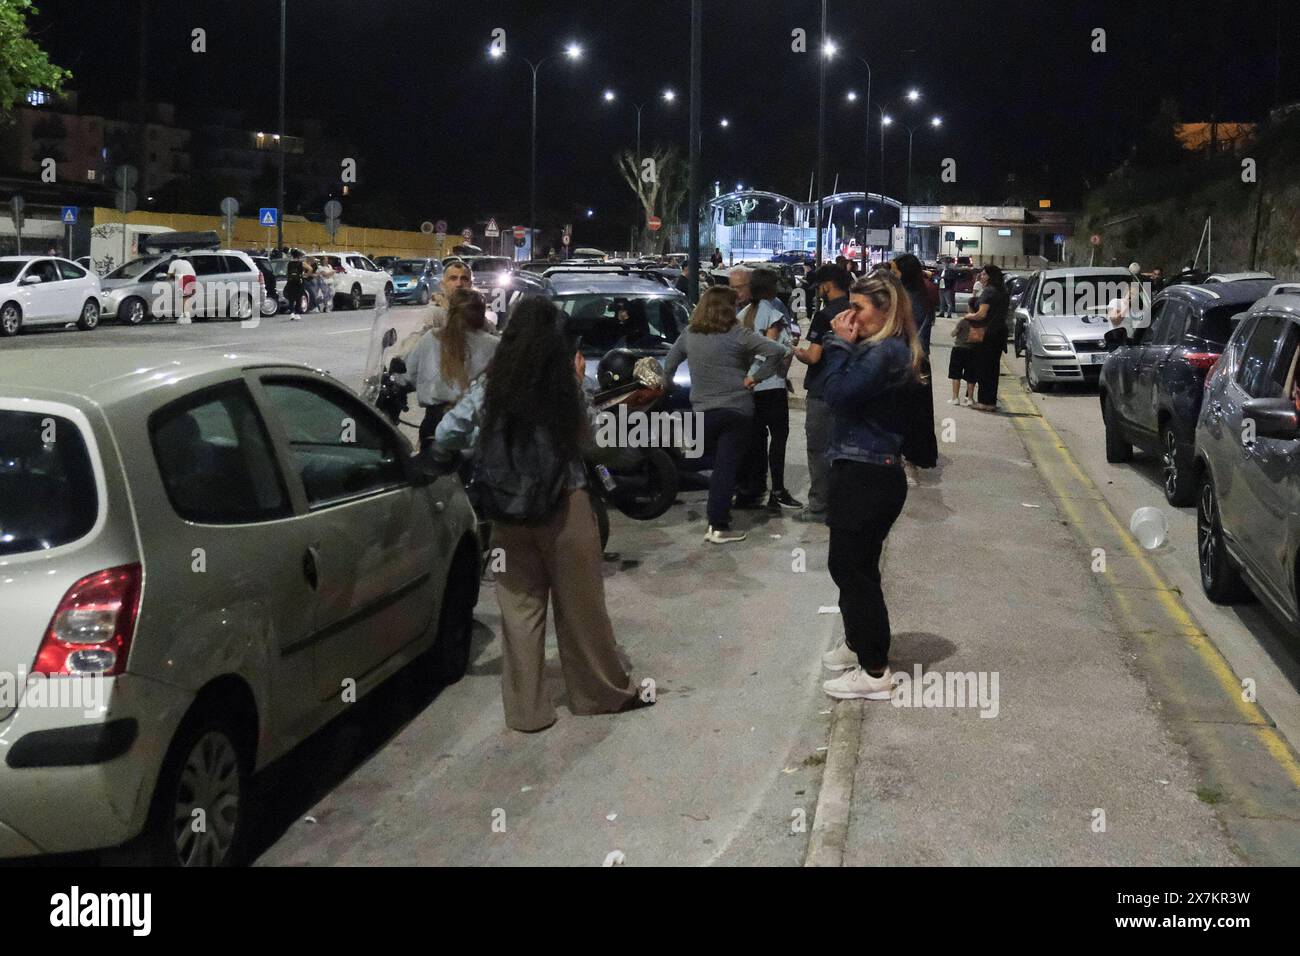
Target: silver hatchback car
[(202, 561)]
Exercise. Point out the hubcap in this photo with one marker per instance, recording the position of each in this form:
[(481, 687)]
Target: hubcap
[(10, 319), (89, 314), (209, 782), (1207, 532), (136, 315), (1171, 463)]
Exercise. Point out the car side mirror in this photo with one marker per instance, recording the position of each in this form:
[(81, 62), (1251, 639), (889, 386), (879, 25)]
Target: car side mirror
[(30, 280), (1115, 338), (1273, 418)]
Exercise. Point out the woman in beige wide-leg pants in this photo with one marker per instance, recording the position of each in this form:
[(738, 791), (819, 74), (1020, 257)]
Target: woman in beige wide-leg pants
[(560, 560)]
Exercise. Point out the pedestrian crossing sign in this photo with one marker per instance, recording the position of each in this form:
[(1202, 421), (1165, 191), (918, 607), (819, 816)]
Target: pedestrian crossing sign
[(69, 215), (268, 215)]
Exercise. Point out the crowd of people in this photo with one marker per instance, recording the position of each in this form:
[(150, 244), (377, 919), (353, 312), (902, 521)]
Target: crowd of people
[(519, 401)]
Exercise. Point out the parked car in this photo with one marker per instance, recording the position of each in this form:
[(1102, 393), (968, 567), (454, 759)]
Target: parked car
[(229, 285), (1248, 462), (386, 262), (415, 280), (270, 285), (357, 280), (46, 290), (1152, 383), (1062, 321), (203, 547)]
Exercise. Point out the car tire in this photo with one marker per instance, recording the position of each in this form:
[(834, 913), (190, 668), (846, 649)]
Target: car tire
[(132, 311), (1034, 384), (242, 309), (89, 317), (1179, 480), (208, 751), (449, 657), (1220, 579), (1118, 448), (388, 293), (425, 296), (270, 306), (354, 298), (11, 319)]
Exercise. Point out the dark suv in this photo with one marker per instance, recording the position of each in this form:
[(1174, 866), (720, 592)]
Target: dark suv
[(1248, 461), (1151, 384)]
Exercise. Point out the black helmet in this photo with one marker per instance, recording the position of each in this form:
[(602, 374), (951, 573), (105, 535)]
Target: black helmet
[(616, 368)]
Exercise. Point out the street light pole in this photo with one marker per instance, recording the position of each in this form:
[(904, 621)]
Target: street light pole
[(693, 174), (866, 156), (279, 195), (821, 128), (532, 171)]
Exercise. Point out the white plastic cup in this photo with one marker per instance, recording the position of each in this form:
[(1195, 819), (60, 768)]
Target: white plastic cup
[(1148, 525)]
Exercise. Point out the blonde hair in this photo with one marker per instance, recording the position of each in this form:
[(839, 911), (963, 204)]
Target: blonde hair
[(888, 294), (716, 311), (466, 312)]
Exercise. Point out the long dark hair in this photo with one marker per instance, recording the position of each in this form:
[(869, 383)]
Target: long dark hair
[(910, 272), (531, 382), (996, 278)]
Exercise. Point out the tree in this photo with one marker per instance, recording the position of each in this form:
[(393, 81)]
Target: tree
[(660, 183), (24, 66)]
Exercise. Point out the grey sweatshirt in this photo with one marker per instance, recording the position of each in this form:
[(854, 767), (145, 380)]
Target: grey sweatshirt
[(719, 363)]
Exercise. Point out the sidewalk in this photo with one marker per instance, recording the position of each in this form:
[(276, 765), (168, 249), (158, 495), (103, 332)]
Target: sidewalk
[(984, 574)]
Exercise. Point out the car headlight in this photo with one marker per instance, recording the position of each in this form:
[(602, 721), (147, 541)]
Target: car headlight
[(1054, 343)]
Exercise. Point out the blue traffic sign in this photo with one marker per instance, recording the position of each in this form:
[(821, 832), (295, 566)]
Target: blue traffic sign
[(268, 215), (69, 215)]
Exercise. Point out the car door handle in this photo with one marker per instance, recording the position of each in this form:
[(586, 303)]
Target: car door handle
[(311, 566)]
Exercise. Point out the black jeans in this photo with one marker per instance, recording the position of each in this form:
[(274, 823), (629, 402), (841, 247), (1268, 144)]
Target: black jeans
[(771, 415), (726, 434), (865, 501), (990, 368)]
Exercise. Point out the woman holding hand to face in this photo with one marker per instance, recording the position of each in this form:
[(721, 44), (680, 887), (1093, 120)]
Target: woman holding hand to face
[(872, 358)]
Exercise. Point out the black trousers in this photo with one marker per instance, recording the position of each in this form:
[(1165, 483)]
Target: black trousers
[(771, 417), (989, 359), (429, 424), (865, 501), (726, 433)]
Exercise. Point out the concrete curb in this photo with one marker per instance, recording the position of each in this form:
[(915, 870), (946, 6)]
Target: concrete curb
[(830, 829)]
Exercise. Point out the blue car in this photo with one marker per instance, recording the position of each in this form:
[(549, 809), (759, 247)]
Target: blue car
[(415, 280)]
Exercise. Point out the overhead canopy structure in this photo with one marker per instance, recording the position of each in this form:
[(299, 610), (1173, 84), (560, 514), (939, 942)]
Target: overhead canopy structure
[(803, 213)]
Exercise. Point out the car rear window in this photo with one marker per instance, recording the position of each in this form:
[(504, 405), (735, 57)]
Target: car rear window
[(47, 485), (1217, 324), (215, 459)]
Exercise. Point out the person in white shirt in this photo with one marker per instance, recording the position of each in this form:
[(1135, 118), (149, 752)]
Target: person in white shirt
[(181, 272)]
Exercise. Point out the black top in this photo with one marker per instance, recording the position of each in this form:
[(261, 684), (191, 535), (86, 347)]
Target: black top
[(818, 330), (996, 321)]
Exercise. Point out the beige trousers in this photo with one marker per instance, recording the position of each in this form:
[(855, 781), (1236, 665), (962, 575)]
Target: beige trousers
[(559, 561)]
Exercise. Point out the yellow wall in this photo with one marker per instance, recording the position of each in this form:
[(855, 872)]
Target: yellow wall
[(308, 236)]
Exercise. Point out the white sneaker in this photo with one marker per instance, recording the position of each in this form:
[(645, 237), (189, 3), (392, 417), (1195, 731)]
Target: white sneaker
[(720, 536), (912, 475), (857, 684), (954, 401), (840, 659), (966, 401)]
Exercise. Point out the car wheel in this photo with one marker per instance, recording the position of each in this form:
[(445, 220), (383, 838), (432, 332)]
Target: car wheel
[(132, 311), (1180, 489), (1118, 448), (197, 818), (270, 306), (1035, 384), (388, 293), (242, 308), (449, 656), (1220, 579), (89, 315), (354, 299), (424, 296), (648, 494), (11, 319)]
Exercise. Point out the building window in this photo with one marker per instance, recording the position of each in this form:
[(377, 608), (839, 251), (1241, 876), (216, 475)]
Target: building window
[(38, 98)]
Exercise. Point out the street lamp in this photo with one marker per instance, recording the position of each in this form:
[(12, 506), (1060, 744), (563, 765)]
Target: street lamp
[(724, 122), (935, 123), (668, 96), (573, 51)]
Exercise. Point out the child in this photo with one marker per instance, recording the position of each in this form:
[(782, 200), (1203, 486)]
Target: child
[(961, 364)]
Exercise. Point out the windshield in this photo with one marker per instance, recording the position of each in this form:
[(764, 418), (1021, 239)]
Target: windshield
[(409, 267), (1084, 295), (613, 321), (133, 269), (490, 265), (9, 270)]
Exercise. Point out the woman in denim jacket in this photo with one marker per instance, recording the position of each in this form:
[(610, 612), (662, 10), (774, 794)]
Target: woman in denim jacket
[(872, 357)]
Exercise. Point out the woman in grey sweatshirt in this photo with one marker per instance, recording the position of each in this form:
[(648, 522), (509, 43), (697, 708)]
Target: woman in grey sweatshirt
[(721, 351)]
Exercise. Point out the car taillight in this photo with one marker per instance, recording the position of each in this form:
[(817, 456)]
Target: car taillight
[(92, 627), (1201, 360)]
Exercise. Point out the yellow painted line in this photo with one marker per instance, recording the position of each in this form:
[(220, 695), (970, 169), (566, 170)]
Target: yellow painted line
[(1167, 596)]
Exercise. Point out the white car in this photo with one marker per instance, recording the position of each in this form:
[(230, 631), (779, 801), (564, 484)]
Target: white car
[(356, 278), (45, 290), (197, 572)]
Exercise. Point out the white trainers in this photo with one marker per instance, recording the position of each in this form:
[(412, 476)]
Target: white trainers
[(966, 401), (912, 474), (954, 401), (721, 536), (857, 684), (840, 659)]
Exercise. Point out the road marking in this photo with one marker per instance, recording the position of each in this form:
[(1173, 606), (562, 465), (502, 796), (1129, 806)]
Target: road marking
[(349, 331), (1029, 414)]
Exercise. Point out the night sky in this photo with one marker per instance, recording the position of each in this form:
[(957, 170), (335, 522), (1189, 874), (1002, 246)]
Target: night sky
[(435, 120)]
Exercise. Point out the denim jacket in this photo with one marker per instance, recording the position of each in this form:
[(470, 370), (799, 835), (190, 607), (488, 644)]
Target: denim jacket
[(861, 383)]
